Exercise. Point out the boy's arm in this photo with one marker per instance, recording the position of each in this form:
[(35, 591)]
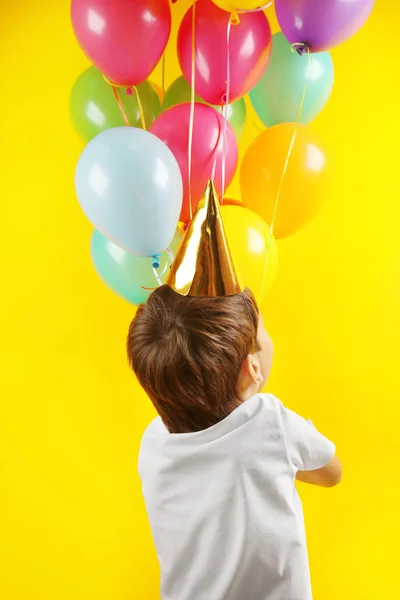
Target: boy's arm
[(328, 476), (310, 453)]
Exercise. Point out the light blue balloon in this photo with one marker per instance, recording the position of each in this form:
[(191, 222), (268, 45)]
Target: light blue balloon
[(129, 185), (277, 96), (125, 273)]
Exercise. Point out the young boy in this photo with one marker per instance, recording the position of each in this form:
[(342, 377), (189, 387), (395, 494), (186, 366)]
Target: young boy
[(218, 466)]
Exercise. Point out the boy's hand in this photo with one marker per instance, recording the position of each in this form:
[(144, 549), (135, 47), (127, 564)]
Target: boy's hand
[(328, 476)]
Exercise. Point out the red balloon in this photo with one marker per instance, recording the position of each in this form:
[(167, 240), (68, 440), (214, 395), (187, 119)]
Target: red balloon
[(250, 49), (172, 127), (124, 39)]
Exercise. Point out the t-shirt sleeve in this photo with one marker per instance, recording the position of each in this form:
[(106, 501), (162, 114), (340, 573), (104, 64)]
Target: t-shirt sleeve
[(307, 449)]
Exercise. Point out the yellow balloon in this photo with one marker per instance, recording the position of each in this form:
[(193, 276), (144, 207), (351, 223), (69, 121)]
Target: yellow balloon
[(248, 237), (238, 5), (305, 183), (235, 7)]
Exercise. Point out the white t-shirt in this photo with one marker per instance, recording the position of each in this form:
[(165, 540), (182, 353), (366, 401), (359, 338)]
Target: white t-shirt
[(225, 515)]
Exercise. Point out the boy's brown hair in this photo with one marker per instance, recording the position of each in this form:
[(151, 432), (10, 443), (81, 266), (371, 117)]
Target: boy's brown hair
[(187, 353)]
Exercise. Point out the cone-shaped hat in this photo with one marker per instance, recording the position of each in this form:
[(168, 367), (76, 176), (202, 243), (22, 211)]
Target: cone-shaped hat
[(203, 265)]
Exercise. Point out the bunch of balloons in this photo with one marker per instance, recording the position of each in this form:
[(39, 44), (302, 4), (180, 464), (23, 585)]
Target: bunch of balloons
[(150, 152)]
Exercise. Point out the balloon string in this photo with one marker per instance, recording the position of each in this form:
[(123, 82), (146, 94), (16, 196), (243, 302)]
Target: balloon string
[(115, 87), (215, 151), (156, 275), (225, 112), (192, 99), (285, 167), (163, 74), (140, 106), (159, 276), (216, 147), (120, 106)]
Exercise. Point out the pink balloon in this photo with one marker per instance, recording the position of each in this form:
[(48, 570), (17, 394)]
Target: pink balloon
[(172, 127), (250, 49), (124, 39)]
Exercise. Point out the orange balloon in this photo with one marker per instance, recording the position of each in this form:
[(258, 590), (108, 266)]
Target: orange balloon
[(305, 184)]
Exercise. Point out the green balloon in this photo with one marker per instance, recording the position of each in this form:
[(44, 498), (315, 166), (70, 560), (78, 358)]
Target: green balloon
[(94, 107), (180, 91), (125, 273), (277, 96)]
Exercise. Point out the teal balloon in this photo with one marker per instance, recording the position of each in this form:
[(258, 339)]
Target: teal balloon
[(126, 274), (277, 96), (129, 185), (180, 92)]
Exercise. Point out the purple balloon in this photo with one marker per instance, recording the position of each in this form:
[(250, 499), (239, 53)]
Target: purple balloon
[(321, 24)]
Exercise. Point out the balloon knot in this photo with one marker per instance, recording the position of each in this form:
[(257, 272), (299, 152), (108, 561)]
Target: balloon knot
[(156, 261), (235, 20), (129, 91), (300, 47)]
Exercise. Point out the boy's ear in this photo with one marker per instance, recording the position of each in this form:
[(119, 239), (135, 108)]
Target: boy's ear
[(251, 369), (245, 378), (256, 370)]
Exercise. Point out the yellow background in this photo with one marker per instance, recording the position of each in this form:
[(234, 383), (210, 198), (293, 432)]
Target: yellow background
[(72, 520)]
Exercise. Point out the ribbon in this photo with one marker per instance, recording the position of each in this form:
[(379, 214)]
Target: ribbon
[(129, 88), (120, 106), (163, 74), (225, 111), (215, 151), (285, 167), (192, 100), (139, 103)]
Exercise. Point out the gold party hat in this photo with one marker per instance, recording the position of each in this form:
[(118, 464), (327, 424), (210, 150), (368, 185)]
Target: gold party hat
[(203, 265)]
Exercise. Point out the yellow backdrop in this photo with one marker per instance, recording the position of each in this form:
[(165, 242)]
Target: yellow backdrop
[(72, 521)]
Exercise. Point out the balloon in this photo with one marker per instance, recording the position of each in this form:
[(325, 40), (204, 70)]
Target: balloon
[(277, 96), (180, 91), (94, 107), (249, 240), (321, 24), (125, 273), (305, 183), (129, 186), (250, 45), (123, 39), (237, 5), (232, 202), (172, 127)]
